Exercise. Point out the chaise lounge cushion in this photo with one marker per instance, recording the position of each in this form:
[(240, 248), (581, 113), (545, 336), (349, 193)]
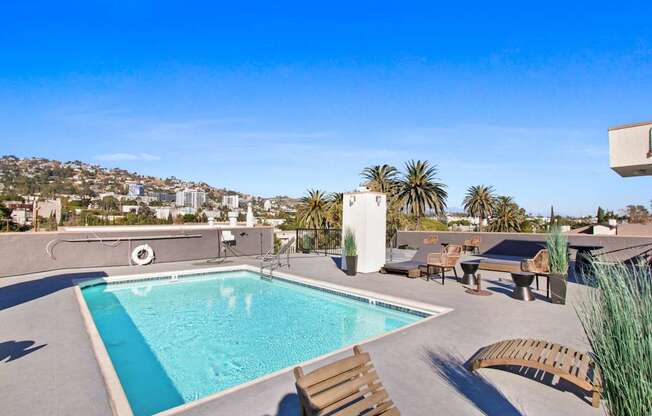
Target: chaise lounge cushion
[(501, 263), (420, 259), (403, 267)]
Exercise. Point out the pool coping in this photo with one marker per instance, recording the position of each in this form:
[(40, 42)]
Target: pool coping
[(118, 399)]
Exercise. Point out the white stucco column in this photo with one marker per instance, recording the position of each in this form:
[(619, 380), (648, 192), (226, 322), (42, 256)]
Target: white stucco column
[(364, 213)]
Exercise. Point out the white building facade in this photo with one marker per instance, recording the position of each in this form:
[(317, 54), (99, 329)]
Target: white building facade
[(630, 149), (230, 201), (191, 198), (136, 189)]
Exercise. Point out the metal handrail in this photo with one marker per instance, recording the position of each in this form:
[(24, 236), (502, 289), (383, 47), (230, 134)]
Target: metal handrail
[(273, 260)]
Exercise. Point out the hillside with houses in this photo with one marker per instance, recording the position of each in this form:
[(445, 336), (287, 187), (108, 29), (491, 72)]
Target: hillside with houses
[(48, 193)]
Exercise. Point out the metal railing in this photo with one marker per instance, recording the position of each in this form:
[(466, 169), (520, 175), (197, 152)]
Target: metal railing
[(326, 241)]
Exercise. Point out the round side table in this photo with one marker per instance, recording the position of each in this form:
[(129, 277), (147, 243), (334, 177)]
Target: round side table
[(522, 290), (469, 268)]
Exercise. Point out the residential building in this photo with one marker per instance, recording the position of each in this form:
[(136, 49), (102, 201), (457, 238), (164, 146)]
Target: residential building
[(267, 205), (163, 196), (163, 213), (230, 201), (274, 221), (21, 216), (49, 208), (190, 198), (136, 189), (630, 149), (186, 210)]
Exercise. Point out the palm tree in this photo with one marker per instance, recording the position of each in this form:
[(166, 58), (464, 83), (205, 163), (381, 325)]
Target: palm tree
[(334, 209), (479, 202), (507, 216), (419, 190), (312, 209), (381, 178)]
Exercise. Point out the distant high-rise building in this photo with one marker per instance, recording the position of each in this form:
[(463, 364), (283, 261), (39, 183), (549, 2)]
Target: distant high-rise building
[(230, 201), (163, 196), (136, 189), (191, 198)]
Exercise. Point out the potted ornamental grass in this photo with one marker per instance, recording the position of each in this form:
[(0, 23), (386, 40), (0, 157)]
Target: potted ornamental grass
[(306, 243), (350, 252), (558, 261)]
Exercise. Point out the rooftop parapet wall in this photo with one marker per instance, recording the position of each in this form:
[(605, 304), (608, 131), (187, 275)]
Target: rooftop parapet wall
[(526, 245), (29, 252)]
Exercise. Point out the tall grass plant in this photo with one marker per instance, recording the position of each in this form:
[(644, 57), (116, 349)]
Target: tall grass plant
[(617, 317)]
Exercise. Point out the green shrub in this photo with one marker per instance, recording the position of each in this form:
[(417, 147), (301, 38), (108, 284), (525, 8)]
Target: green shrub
[(350, 247), (617, 319)]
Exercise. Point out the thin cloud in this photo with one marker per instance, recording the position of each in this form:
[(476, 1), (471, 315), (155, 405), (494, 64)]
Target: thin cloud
[(120, 157)]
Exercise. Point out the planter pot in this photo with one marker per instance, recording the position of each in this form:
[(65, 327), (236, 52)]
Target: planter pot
[(351, 265), (558, 284)]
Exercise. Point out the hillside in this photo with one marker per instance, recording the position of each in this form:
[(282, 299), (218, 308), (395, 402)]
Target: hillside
[(48, 178)]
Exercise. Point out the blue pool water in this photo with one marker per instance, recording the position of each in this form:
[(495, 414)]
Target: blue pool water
[(173, 342)]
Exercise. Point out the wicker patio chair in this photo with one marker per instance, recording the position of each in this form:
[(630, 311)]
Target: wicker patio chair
[(444, 261), (472, 245)]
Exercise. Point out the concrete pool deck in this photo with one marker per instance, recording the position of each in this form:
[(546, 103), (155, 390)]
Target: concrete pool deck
[(48, 366)]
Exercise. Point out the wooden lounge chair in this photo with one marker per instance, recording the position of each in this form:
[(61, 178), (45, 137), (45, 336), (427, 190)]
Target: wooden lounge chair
[(348, 387), (472, 246), (575, 367), (444, 261)]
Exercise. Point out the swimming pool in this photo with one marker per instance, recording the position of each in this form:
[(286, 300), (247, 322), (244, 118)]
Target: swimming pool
[(173, 341)]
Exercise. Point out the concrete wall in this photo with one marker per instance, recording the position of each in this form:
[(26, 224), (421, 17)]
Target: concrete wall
[(22, 253), (639, 230), (521, 244)]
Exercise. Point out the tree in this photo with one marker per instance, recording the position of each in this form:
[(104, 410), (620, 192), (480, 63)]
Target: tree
[(602, 218), (145, 211), (381, 178), (110, 203), (385, 178), (334, 209), (637, 214), (419, 190), (312, 209), (479, 202), (5, 218), (507, 216)]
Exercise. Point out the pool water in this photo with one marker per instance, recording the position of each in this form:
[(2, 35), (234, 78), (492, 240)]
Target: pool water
[(174, 341)]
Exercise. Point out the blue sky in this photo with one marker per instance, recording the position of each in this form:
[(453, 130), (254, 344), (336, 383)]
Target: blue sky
[(275, 99)]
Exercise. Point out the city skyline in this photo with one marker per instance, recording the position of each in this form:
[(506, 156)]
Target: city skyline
[(271, 103)]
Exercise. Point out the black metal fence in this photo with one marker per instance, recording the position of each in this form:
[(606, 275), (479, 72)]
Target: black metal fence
[(322, 241)]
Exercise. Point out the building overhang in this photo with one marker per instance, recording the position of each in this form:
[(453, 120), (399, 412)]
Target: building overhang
[(630, 149)]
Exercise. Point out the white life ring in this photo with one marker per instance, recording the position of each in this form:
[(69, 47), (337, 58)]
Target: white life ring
[(142, 255)]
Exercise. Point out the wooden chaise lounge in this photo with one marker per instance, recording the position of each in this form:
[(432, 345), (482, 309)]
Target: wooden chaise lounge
[(348, 387), (412, 267), (575, 367)]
